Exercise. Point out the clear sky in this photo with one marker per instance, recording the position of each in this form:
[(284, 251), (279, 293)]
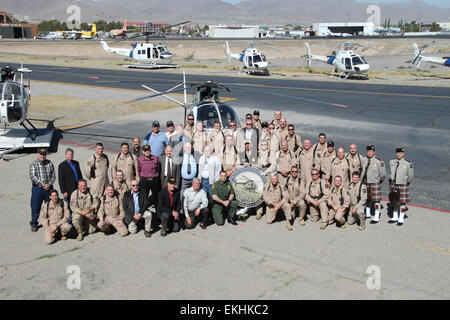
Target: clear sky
[(438, 3)]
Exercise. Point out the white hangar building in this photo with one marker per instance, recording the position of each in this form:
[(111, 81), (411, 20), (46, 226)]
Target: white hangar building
[(354, 28), (233, 31)]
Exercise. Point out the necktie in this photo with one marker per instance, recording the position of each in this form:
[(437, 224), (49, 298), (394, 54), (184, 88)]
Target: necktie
[(169, 171), (189, 165)]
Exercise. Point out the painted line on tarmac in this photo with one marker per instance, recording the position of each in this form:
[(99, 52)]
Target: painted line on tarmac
[(431, 248), (281, 87)]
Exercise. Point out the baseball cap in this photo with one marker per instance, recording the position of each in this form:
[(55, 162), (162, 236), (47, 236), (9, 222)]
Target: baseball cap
[(256, 113), (248, 115), (371, 147), (264, 124), (43, 151), (146, 148), (400, 149), (172, 181), (155, 124), (330, 144), (169, 123), (247, 141)]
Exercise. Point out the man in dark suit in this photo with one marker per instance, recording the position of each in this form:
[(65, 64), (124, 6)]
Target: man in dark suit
[(135, 205), (168, 168), (168, 208), (69, 174), (251, 134)]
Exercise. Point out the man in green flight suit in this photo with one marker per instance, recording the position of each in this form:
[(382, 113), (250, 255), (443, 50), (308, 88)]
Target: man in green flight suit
[(223, 197)]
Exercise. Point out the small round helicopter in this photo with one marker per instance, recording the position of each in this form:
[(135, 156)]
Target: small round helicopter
[(205, 106), (254, 62)]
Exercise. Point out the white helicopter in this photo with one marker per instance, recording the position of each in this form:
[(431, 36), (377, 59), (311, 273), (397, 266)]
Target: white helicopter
[(152, 56), (435, 60), (148, 55), (253, 61), (15, 96), (345, 61)]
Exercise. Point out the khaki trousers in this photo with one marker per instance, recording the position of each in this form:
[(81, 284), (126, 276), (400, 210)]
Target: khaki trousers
[(271, 213), (109, 221), (147, 216), (64, 229), (360, 216), (81, 223), (336, 215), (320, 212)]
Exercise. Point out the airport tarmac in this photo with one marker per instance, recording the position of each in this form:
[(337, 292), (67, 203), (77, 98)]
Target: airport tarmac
[(253, 260)]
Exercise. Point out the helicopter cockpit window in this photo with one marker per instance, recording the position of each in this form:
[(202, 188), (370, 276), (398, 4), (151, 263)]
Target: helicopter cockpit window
[(12, 95), (207, 114), (363, 59), (357, 60), (257, 58), (227, 114)]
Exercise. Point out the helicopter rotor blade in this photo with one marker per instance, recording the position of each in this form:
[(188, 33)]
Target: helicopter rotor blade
[(153, 95)]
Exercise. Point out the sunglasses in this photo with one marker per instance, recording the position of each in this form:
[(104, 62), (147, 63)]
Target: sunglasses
[(314, 174), (134, 185), (294, 171), (290, 129), (191, 119)]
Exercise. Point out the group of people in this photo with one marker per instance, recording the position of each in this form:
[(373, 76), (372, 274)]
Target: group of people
[(180, 178)]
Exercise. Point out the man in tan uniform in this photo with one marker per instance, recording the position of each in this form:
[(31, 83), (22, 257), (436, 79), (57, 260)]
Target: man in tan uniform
[(354, 158), (216, 138), (119, 183), (358, 200), (325, 162), (277, 118), (317, 194), (256, 120), (283, 162), (84, 207), (189, 127), (199, 141), (54, 217), (264, 157), (339, 201), (229, 156), (276, 198), (294, 140), (296, 194), (307, 162), (282, 130), (320, 148), (340, 166), (111, 212), (97, 171), (127, 162), (273, 139)]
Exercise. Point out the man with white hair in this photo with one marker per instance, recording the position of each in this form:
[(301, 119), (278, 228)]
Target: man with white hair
[(276, 198), (195, 204), (209, 170)]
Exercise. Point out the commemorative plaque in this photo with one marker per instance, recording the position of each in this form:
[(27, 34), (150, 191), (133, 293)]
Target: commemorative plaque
[(248, 184)]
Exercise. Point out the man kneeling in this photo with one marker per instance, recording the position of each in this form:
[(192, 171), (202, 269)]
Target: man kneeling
[(168, 207), (111, 212), (195, 203), (53, 217)]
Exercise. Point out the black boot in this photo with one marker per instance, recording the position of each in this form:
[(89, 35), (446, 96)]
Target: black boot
[(232, 221)]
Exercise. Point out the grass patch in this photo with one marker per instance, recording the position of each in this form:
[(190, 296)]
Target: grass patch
[(47, 256)]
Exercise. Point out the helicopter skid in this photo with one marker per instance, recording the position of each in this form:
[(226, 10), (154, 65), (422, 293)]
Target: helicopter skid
[(13, 139), (245, 71), (343, 75), (152, 66)]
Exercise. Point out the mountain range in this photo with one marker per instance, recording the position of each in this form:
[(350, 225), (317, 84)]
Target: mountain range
[(262, 12)]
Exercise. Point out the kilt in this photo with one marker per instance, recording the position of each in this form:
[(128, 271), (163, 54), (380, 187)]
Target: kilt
[(374, 192), (404, 192)]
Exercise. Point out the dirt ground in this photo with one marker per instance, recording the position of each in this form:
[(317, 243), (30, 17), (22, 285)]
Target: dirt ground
[(389, 59)]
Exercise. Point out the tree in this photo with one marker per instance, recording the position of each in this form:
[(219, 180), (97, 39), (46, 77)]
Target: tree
[(435, 27)]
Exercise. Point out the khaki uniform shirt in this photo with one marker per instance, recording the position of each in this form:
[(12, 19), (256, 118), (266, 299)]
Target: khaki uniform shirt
[(101, 165), (294, 143), (353, 189), (341, 168), (189, 132), (340, 197), (264, 161), (282, 134), (295, 189), (128, 164), (230, 158), (314, 191), (54, 214), (275, 193), (307, 163), (121, 188), (199, 142), (283, 161), (355, 162), (325, 163), (83, 201), (375, 170), (405, 171), (257, 124), (111, 207), (217, 139)]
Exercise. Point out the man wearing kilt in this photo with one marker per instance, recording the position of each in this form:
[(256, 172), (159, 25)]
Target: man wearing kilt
[(402, 173), (373, 173)]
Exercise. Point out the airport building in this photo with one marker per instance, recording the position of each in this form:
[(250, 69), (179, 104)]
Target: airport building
[(353, 28), (233, 31), (148, 26), (11, 30)]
